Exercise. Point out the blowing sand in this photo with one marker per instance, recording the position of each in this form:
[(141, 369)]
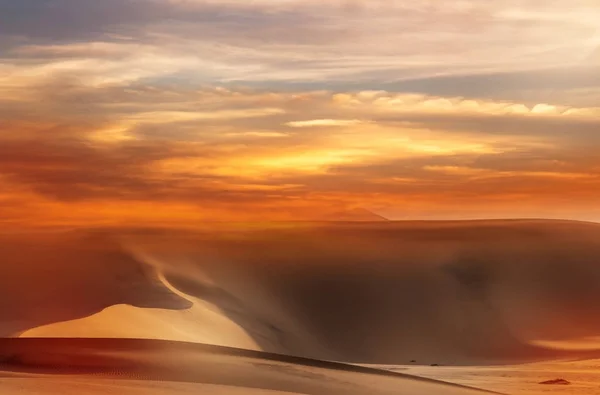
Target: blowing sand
[(200, 323), (470, 295)]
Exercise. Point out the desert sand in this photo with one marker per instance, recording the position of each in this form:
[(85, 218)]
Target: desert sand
[(487, 300), (212, 369), (525, 379)]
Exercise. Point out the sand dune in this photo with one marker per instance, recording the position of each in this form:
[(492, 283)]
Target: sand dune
[(151, 363), (200, 323), (44, 385), (84, 284), (47, 278), (439, 292), (449, 293)]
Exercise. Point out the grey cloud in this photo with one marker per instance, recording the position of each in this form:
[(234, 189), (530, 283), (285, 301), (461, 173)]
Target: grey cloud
[(557, 85), (72, 20), (507, 84), (78, 20), (562, 131), (304, 45)]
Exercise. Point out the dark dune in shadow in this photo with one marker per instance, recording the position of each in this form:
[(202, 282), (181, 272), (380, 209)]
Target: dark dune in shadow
[(154, 361), (440, 292)]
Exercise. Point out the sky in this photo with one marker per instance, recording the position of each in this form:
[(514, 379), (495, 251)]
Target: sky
[(183, 111)]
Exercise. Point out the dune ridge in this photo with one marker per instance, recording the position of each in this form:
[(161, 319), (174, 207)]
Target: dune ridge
[(154, 360), (487, 291), (453, 293)]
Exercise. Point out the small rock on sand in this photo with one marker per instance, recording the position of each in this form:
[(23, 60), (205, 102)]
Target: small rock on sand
[(556, 382)]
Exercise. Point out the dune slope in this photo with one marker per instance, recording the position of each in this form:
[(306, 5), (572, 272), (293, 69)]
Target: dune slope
[(152, 363), (452, 293)]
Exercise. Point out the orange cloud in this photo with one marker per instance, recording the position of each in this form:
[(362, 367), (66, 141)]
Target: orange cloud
[(80, 151)]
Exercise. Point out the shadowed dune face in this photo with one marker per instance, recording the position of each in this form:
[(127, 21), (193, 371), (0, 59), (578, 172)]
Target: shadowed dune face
[(51, 278), (387, 293), (451, 293), (152, 362)]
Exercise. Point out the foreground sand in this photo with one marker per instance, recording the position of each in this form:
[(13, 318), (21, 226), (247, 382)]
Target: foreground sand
[(91, 366), (584, 377)]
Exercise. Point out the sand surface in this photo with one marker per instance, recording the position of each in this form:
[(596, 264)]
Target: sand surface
[(200, 323), (49, 385), (93, 365), (518, 379), (491, 301)]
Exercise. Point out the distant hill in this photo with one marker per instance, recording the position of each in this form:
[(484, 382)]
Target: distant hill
[(359, 214)]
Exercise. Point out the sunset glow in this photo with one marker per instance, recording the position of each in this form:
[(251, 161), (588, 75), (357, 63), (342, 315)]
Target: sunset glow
[(175, 112)]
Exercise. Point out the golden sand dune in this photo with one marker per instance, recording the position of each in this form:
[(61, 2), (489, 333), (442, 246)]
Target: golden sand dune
[(49, 278), (200, 323), (93, 365)]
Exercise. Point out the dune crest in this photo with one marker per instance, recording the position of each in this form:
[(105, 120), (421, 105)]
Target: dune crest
[(210, 368), (449, 293)]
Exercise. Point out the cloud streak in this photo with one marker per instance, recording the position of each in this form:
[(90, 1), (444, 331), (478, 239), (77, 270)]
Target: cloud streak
[(417, 47), (294, 109), (323, 122)]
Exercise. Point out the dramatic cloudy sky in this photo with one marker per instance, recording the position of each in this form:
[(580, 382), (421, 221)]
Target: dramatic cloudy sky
[(176, 111)]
